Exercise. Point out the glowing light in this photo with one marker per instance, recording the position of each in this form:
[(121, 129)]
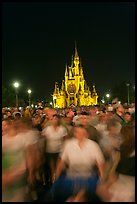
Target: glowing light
[(107, 95), (51, 103), (16, 84), (29, 91)]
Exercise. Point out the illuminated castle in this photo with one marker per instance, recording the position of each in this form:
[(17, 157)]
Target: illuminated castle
[(74, 89)]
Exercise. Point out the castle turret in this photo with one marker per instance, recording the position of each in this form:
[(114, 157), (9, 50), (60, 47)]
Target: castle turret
[(76, 61), (66, 71)]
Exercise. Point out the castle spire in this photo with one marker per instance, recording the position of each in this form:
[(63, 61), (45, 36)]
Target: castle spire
[(63, 86), (66, 71), (72, 61), (55, 89), (76, 60), (94, 90), (70, 72), (76, 52)]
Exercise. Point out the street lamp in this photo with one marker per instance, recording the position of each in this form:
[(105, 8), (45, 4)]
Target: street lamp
[(16, 85), (108, 95), (29, 92), (103, 101), (128, 92)]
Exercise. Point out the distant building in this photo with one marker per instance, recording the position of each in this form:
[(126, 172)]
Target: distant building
[(74, 89)]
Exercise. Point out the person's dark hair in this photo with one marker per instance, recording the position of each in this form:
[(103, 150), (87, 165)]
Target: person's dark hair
[(17, 115), (128, 113), (128, 138), (84, 113)]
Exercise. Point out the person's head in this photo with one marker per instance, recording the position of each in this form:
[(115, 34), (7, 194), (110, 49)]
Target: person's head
[(50, 113), (84, 118), (114, 127), (56, 120), (67, 120), (103, 117), (17, 116), (127, 117), (23, 124), (6, 125), (9, 114), (120, 110), (93, 110), (70, 114), (80, 132)]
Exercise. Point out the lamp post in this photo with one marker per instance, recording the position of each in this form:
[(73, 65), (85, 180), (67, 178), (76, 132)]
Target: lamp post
[(51, 103), (108, 96), (128, 93), (29, 92), (16, 85)]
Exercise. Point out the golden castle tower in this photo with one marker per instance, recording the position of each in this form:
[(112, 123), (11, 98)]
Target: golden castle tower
[(74, 89)]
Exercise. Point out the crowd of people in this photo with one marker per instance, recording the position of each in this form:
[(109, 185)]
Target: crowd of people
[(83, 154)]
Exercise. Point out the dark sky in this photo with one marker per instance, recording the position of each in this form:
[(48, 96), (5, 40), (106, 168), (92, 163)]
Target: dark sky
[(39, 38)]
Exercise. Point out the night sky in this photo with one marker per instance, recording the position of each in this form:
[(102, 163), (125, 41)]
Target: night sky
[(38, 39)]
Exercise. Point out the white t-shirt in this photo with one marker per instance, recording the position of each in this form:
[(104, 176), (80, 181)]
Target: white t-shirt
[(15, 146), (54, 138), (123, 190), (81, 160)]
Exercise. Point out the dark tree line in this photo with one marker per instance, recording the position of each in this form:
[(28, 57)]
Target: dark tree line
[(9, 97)]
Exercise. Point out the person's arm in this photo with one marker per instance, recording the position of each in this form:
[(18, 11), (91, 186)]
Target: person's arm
[(31, 162), (101, 167), (60, 168), (100, 162), (11, 175)]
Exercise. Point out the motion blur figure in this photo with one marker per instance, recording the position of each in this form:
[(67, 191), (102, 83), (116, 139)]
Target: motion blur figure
[(120, 184), (78, 159), (54, 135), (19, 161)]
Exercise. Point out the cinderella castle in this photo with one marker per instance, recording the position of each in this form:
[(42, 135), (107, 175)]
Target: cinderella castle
[(74, 89)]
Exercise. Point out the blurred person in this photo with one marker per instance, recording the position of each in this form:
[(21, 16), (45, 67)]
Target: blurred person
[(76, 117), (102, 125), (68, 123), (127, 118), (79, 157), (6, 124), (120, 185), (84, 119), (17, 115), (29, 138), (119, 114), (127, 149), (111, 139), (36, 122), (9, 114), (13, 167), (49, 116), (54, 135), (27, 113)]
